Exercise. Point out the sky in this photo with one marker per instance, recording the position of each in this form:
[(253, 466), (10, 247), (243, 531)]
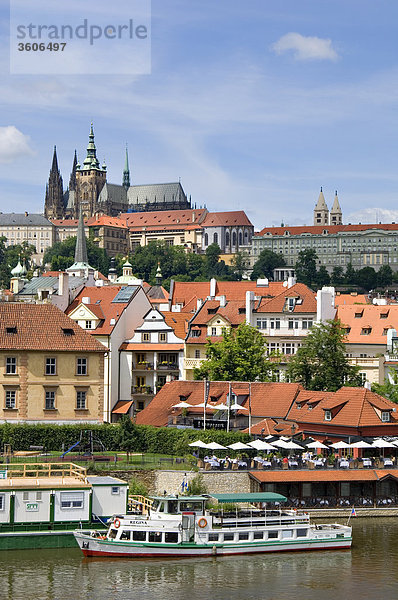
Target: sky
[(253, 105)]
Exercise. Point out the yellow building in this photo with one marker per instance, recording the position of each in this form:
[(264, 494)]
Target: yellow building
[(50, 369)]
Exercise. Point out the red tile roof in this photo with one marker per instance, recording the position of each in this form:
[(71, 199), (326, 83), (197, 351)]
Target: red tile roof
[(230, 312), (377, 318), (160, 219), (230, 218), (110, 222), (348, 299), (319, 229), (42, 327), (278, 304), (178, 321)]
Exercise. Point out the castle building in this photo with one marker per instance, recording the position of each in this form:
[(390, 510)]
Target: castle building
[(90, 192)]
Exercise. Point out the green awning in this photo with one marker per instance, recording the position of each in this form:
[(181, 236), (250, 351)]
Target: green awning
[(252, 497)]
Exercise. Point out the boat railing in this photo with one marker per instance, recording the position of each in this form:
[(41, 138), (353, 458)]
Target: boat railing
[(139, 503), (258, 518), (49, 470)]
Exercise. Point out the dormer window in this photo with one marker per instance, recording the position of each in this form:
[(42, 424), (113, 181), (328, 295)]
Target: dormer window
[(11, 330), (212, 311), (384, 315), (68, 331), (195, 333), (366, 331), (328, 415), (385, 416), (359, 314)]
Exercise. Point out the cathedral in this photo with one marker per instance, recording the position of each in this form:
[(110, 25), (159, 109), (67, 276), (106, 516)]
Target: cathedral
[(90, 193)]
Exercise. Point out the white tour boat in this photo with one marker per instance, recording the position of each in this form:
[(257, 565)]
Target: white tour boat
[(182, 526)]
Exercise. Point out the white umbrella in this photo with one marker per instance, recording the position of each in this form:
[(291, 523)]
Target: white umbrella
[(240, 446), (383, 444), (361, 444), (215, 446), (260, 445), (293, 446), (237, 406), (182, 405), (340, 445), (203, 405), (198, 444), (220, 406), (280, 444), (316, 444)]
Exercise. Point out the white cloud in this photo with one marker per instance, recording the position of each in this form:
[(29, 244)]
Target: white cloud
[(305, 47), (13, 144)]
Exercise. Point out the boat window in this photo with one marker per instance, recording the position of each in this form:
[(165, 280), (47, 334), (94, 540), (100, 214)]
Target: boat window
[(273, 534), (155, 504), (171, 537), (302, 532), (258, 535), (287, 533), (243, 536), (228, 537), (139, 536), (155, 536), (213, 537), (191, 506), (161, 507), (2, 501), (173, 507), (125, 535), (112, 534)]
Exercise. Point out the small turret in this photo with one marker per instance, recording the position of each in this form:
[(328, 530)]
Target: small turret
[(336, 215), (321, 211)]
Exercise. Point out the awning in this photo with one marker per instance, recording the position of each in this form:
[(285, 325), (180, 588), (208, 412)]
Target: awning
[(250, 497), (122, 407)]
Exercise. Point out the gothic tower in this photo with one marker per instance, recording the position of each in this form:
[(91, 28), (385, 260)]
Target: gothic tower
[(321, 211), (126, 172), (72, 179), (54, 201), (336, 215), (90, 179)]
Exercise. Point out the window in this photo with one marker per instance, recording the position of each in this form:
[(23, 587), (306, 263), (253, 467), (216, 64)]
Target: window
[(81, 399), (139, 536), (71, 500), (140, 381), (81, 366), (25, 496), (275, 323), (89, 325), (261, 323), (302, 532), (11, 365), (154, 536), (2, 501), (195, 333), (171, 537), (366, 331), (215, 238), (197, 353), (213, 537), (146, 337), (162, 337), (385, 417), (293, 323), (125, 535), (258, 535), (11, 399), (141, 358), (273, 534), (328, 415), (228, 537), (214, 331), (307, 323), (115, 490), (49, 401), (51, 366), (287, 533), (243, 536)]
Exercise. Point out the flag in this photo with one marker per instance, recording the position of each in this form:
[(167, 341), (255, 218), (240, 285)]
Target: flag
[(353, 513)]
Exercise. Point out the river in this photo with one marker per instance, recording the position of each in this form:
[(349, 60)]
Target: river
[(368, 571)]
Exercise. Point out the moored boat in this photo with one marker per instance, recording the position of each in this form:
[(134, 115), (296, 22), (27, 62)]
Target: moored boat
[(183, 526)]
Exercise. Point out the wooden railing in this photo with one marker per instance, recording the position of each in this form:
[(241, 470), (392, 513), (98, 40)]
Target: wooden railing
[(140, 502), (35, 470)]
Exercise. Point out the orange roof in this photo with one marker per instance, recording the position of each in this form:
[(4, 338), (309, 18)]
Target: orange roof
[(178, 321), (348, 299), (266, 398), (230, 218), (177, 218), (278, 304), (110, 221), (101, 299), (272, 427), (319, 229), (368, 316), (357, 409), (329, 475), (122, 407), (42, 327), (230, 312)]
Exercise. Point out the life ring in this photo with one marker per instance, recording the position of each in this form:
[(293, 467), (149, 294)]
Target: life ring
[(202, 523), (116, 523)]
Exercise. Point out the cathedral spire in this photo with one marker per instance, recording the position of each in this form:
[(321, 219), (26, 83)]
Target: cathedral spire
[(54, 199), (336, 215), (72, 179), (91, 160), (126, 171)]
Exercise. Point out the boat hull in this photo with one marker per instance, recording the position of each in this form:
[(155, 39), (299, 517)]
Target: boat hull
[(109, 548)]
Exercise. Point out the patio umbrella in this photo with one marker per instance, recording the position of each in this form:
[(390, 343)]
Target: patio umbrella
[(198, 444), (340, 445), (182, 405), (215, 446), (220, 406), (202, 405), (380, 443), (279, 444), (240, 446), (293, 446), (317, 444), (361, 444), (237, 406), (260, 445)]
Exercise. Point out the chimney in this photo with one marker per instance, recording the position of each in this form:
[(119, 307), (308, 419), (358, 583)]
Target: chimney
[(291, 281), (223, 301), (63, 281), (249, 306), (213, 283), (199, 303), (86, 300)]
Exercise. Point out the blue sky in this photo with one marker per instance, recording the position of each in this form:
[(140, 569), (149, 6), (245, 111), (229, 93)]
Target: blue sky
[(254, 105)]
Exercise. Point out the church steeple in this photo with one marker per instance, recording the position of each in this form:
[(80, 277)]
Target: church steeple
[(321, 211), (54, 200), (72, 179), (91, 160), (336, 215), (126, 172)]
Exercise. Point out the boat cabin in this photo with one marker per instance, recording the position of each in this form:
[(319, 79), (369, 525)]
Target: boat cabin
[(178, 505)]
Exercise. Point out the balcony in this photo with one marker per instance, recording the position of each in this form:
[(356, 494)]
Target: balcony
[(167, 366), (192, 363), (143, 366), (143, 390)]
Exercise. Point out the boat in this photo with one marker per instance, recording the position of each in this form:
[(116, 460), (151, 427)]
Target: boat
[(186, 526)]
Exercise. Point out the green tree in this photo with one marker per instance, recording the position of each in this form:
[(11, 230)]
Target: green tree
[(127, 438), (239, 265), (62, 255), (350, 275), (322, 276), (388, 389), (320, 363), (266, 263), (366, 278), (239, 356), (306, 266), (337, 277), (384, 276)]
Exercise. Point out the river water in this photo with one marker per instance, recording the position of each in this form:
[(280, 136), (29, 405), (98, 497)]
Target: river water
[(368, 571)]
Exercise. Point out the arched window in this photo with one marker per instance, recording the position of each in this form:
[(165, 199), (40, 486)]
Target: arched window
[(206, 239), (234, 238), (246, 237), (240, 238), (215, 238), (227, 238)]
